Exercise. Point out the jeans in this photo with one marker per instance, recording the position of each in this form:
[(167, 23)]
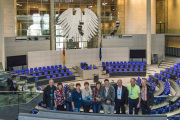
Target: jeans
[(77, 109), (68, 106), (108, 108), (51, 108), (133, 104), (96, 107)]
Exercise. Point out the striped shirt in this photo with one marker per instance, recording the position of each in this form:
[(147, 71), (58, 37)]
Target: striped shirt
[(144, 93)]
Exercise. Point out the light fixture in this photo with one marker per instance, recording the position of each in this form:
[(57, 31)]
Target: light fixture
[(65, 1), (18, 4), (104, 3)]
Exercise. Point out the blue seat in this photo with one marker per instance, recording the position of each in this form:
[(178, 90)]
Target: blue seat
[(121, 67), (65, 74), (168, 76), (107, 67), (59, 75), (64, 67), (178, 75), (39, 74), (35, 69), (125, 69), (118, 63), (26, 72), (48, 67), (117, 67), (34, 74), (171, 108), (142, 66), (130, 69), (110, 70), (54, 76), (114, 63), (56, 71), (170, 71), (67, 70), (17, 71), (95, 67), (141, 70), (84, 68), (136, 70), (174, 72), (39, 68), (51, 72), (171, 68), (44, 68), (177, 118), (70, 73), (48, 77), (103, 64), (62, 71), (107, 63), (161, 73), (160, 111), (115, 70), (131, 66), (31, 69), (120, 70), (165, 74), (136, 66), (12, 72), (166, 70), (153, 111), (60, 66), (45, 73)]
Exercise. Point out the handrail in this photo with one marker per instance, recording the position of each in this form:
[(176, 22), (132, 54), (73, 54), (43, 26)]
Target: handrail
[(20, 92), (160, 60)]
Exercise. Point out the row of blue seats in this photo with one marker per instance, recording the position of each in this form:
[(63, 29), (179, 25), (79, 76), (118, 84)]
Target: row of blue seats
[(161, 77), (39, 69), (125, 70), (175, 118), (51, 73), (173, 72), (165, 92), (136, 67), (164, 110), (123, 63)]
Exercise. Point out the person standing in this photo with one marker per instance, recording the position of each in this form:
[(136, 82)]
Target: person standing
[(11, 85), (96, 95), (147, 97), (48, 96), (77, 98), (59, 95), (121, 97), (108, 96), (87, 97), (68, 96), (134, 96)]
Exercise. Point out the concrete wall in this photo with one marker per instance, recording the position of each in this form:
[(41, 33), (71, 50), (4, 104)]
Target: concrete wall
[(136, 17), (14, 47), (137, 42), (75, 57)]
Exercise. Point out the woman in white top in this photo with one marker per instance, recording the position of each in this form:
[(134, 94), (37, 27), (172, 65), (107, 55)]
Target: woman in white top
[(87, 97)]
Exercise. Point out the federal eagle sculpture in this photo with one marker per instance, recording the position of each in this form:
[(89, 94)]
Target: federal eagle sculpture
[(69, 23)]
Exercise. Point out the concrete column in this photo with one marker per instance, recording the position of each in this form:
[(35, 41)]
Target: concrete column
[(99, 21), (52, 26), (149, 32), (2, 52)]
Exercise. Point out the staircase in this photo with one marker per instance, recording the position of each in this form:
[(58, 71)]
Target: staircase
[(167, 64)]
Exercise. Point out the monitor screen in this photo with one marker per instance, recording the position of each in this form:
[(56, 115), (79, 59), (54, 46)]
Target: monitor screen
[(16, 61), (137, 53)]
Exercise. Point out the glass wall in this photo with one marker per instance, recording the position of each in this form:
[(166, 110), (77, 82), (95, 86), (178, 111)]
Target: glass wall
[(32, 17)]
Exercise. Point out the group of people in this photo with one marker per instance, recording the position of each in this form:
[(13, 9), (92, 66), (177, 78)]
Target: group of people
[(110, 97)]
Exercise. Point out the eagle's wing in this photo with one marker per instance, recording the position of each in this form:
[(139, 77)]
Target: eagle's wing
[(90, 24), (65, 22)]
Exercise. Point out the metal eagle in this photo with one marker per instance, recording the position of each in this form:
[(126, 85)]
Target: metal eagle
[(69, 22)]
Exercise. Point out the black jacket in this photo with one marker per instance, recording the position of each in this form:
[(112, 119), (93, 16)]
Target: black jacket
[(150, 96), (47, 97), (124, 96)]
